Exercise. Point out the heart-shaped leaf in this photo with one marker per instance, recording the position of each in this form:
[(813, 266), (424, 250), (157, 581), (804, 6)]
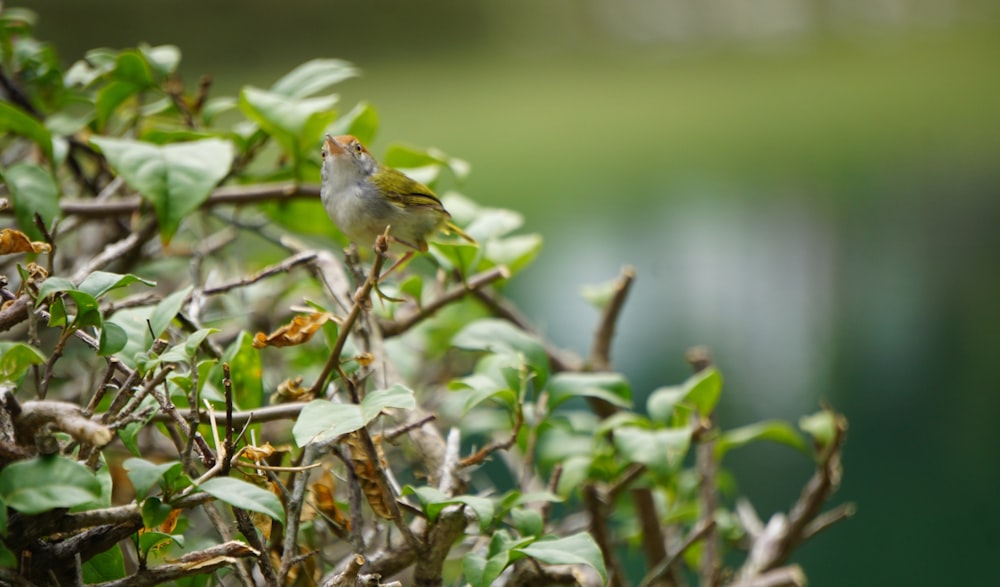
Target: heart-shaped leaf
[(176, 178)]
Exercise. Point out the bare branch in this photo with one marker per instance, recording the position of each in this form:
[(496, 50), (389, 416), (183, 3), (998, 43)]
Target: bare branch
[(600, 354), (238, 195), (598, 510), (200, 562), (285, 266), (410, 319), (480, 455), (662, 568), (790, 576), (64, 416)]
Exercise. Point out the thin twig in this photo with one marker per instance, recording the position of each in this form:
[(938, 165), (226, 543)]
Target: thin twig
[(661, 569), (410, 319), (360, 303), (480, 455), (600, 354), (710, 565), (283, 267)]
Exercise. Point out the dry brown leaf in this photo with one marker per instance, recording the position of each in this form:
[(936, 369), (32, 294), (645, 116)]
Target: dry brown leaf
[(298, 331), (15, 241), (368, 472), (290, 391), (259, 453), (323, 500)]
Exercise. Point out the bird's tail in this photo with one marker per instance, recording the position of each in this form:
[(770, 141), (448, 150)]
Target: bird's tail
[(452, 228)]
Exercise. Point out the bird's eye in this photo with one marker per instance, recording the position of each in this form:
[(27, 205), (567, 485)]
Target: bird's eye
[(358, 148), (322, 154)]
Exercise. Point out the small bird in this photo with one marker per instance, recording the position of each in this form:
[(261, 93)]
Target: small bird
[(365, 198)]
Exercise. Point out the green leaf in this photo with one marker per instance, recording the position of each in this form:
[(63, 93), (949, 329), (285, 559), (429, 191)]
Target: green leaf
[(129, 434), (411, 158), (44, 483), (491, 223), (611, 387), (478, 388), (33, 189), (822, 426), (246, 368), (88, 312), (480, 571), (323, 420), (773, 430), (3, 521), (99, 283), (703, 390), (16, 358), (245, 496), (600, 294), (109, 98), (177, 178), (131, 66), (215, 106), (577, 549), (297, 124), (52, 285), (19, 122), (361, 121), (113, 339), (515, 252), (152, 539), (104, 566), (528, 522), (162, 59), (312, 77), (661, 450), (144, 475), (500, 336), (154, 512), (167, 309), (397, 396), (434, 500), (661, 403)]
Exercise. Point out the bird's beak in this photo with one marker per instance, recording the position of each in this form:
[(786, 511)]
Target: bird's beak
[(332, 146)]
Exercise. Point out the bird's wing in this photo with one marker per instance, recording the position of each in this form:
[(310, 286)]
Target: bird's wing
[(405, 192)]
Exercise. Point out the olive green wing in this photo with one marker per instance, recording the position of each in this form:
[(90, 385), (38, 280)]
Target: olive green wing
[(406, 192)]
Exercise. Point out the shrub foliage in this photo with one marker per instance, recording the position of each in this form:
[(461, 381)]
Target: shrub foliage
[(198, 387)]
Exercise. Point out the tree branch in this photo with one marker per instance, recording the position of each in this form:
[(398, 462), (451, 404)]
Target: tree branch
[(200, 562), (237, 195), (600, 354)]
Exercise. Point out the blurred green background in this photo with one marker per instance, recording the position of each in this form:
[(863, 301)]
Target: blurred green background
[(808, 187)]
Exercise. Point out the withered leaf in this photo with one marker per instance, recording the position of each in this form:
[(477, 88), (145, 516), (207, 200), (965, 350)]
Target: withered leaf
[(323, 499), (290, 391), (15, 241), (368, 472), (259, 453), (298, 331)]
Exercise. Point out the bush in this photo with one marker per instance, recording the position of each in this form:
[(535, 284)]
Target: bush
[(169, 414)]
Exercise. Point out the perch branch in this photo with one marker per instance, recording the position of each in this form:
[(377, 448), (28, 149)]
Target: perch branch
[(360, 301)]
